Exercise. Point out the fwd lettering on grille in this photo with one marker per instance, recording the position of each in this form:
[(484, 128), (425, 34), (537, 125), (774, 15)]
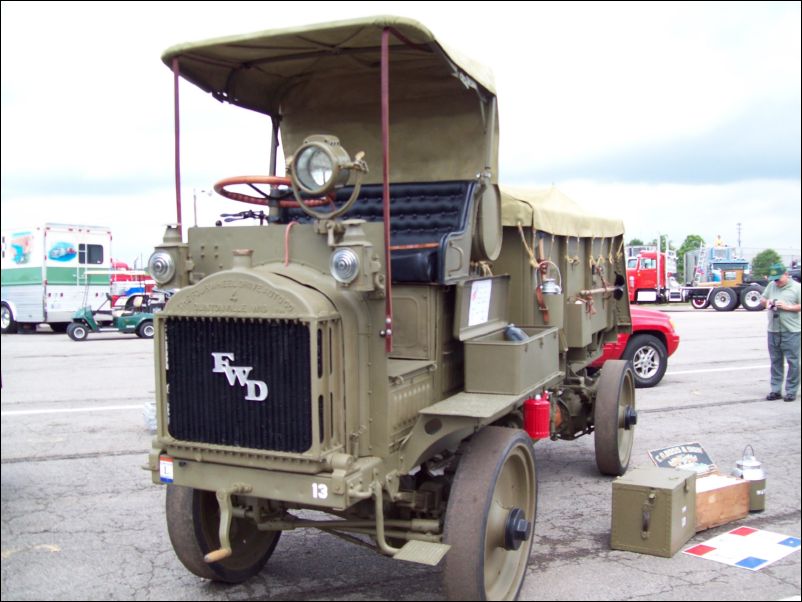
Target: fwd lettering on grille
[(257, 389)]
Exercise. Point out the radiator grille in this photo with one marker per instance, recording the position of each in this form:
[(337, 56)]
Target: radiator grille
[(204, 407)]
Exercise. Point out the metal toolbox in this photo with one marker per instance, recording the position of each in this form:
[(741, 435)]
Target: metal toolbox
[(495, 365), (654, 510)]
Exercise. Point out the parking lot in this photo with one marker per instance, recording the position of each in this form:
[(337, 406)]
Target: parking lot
[(82, 520)]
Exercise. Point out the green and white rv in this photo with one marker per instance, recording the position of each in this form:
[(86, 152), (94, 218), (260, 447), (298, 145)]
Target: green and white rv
[(51, 270)]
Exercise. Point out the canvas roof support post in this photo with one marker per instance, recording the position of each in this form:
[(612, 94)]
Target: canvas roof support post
[(385, 117), (275, 121), (177, 150)]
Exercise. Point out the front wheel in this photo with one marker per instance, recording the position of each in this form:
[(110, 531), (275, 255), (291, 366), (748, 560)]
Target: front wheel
[(649, 359), (699, 303), (614, 417), (193, 521), (490, 516), (77, 331), (7, 323)]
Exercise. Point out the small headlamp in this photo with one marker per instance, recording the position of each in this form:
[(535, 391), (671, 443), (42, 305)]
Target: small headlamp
[(161, 266), (344, 265)]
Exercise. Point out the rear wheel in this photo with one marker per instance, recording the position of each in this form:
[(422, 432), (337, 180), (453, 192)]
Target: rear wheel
[(7, 323), (724, 299), (145, 330), (77, 332), (649, 359), (491, 516), (614, 417), (193, 522), (750, 298)]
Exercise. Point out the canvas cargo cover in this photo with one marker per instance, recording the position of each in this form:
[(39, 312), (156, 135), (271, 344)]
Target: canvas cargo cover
[(326, 79), (549, 210)]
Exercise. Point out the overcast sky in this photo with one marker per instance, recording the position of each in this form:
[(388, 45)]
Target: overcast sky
[(679, 118)]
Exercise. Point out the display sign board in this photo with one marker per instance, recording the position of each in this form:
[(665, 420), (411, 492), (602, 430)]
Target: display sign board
[(687, 456)]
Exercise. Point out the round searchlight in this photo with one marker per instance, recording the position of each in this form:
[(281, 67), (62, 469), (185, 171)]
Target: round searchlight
[(320, 164)]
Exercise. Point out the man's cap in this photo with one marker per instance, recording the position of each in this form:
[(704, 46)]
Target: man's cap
[(776, 271)]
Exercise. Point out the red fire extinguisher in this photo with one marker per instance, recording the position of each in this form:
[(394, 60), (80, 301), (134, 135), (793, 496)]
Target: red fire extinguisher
[(537, 414)]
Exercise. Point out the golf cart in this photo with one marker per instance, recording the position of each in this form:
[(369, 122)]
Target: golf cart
[(133, 313)]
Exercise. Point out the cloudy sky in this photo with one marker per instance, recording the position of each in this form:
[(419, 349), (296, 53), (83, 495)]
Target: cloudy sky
[(679, 118)]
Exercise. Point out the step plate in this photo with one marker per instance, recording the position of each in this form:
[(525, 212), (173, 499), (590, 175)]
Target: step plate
[(422, 552)]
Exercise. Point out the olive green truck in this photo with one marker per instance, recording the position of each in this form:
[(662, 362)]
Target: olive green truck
[(392, 333)]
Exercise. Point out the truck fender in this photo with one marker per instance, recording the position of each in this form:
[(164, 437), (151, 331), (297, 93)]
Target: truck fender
[(446, 423), (12, 306), (10, 312)]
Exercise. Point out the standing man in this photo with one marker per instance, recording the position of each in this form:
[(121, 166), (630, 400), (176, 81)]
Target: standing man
[(782, 299)]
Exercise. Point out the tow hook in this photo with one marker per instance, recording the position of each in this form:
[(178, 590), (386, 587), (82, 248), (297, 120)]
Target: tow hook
[(226, 509)]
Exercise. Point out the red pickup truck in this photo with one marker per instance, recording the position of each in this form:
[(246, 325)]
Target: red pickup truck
[(652, 341)]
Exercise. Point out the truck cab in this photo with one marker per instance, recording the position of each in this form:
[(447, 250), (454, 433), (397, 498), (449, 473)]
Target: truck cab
[(720, 280), (651, 276)]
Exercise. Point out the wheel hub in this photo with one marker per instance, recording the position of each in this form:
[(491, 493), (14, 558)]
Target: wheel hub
[(630, 417), (517, 529)]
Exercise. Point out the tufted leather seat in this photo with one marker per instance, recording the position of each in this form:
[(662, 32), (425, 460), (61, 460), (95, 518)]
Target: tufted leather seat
[(421, 214)]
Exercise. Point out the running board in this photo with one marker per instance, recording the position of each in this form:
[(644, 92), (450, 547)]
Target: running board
[(422, 552)]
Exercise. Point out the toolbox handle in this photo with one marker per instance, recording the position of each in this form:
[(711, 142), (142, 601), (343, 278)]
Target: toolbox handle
[(646, 515)]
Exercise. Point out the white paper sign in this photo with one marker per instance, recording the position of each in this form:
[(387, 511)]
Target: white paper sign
[(480, 302)]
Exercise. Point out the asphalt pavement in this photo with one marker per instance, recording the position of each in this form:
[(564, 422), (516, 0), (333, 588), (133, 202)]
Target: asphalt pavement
[(82, 520)]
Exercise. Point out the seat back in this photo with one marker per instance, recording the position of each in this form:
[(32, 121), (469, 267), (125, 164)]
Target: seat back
[(422, 217)]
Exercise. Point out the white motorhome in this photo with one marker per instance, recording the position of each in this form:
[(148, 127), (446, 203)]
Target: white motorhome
[(51, 270)]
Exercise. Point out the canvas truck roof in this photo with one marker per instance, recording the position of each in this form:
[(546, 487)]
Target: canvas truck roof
[(549, 210), (326, 79), (253, 70)]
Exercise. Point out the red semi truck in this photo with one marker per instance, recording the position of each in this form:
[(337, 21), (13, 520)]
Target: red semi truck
[(651, 276), (125, 281)]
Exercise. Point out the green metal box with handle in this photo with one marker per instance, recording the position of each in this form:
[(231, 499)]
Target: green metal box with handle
[(654, 510)]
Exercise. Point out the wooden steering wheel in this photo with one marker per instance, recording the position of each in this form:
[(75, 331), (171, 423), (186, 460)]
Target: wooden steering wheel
[(273, 181)]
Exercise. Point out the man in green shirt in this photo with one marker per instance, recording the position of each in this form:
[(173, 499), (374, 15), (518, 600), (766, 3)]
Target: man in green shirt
[(782, 299)]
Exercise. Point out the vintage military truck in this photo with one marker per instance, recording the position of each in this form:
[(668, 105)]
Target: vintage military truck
[(352, 351)]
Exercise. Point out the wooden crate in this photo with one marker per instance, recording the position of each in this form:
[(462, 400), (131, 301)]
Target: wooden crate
[(720, 499)]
